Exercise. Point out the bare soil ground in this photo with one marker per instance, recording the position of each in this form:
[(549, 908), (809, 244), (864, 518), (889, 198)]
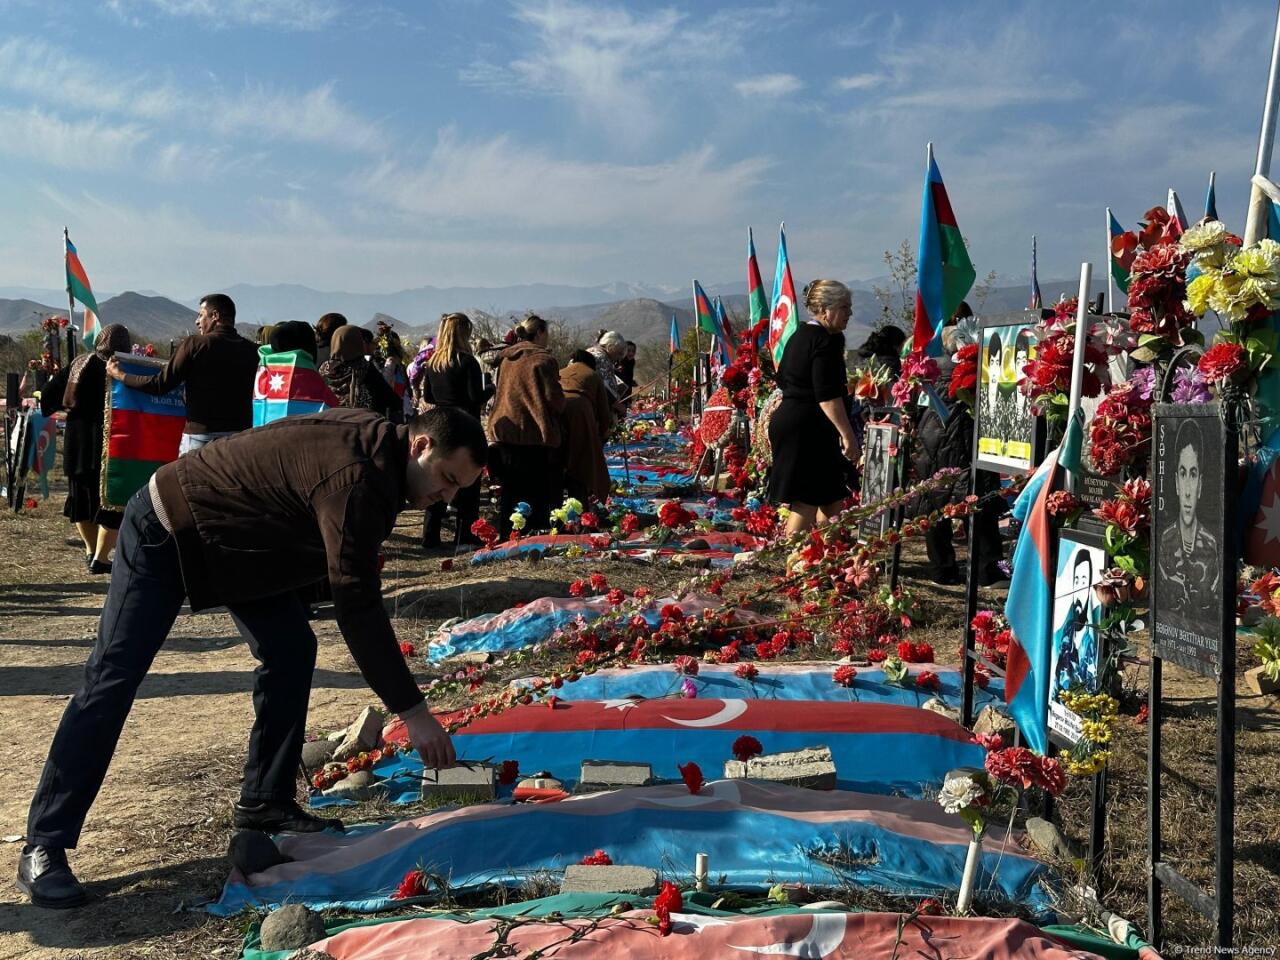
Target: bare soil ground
[(155, 841)]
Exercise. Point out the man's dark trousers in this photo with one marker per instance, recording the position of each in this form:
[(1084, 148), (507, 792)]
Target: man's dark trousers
[(142, 603)]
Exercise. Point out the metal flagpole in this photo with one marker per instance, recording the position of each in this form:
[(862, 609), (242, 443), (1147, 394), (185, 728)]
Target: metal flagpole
[(1111, 280), (71, 300), (1266, 140)]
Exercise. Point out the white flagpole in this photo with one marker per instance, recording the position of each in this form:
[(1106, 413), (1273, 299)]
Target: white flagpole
[(1266, 140), (1111, 280)]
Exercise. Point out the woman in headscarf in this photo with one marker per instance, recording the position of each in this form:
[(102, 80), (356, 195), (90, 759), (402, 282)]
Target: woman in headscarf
[(354, 379), (525, 426), (80, 388), (452, 378), (587, 421)]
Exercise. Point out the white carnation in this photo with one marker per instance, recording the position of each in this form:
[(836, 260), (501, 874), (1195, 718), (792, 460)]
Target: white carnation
[(959, 793)]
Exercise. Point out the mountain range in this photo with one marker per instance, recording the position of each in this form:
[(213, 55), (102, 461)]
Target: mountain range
[(640, 312)]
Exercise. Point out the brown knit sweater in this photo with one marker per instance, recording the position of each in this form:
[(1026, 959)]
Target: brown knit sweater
[(527, 407)]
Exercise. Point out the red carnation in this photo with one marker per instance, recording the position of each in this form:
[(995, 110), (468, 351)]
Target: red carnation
[(599, 582), (577, 588), (928, 680), (508, 772), (746, 747), (746, 671), (844, 675), (406, 648), (414, 884), (630, 523), (1221, 361), (667, 902), (691, 774), (597, 859), (686, 665), (616, 596)]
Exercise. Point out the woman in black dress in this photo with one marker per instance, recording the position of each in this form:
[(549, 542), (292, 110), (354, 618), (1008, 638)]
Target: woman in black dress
[(81, 389), (452, 378), (814, 447)]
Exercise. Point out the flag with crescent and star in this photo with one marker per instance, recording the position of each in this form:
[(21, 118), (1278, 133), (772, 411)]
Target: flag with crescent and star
[(757, 305), (288, 384), (782, 309), (944, 272)]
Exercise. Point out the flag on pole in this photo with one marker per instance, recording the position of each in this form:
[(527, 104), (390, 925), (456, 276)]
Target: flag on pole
[(288, 384), (704, 312), (944, 271), (724, 335), (1177, 216), (757, 305), (675, 335), (1036, 300), (1120, 257), (1210, 200), (1030, 601), (78, 288), (782, 309)]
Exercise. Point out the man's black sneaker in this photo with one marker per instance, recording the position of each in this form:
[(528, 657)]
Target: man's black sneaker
[(45, 877), (278, 816)]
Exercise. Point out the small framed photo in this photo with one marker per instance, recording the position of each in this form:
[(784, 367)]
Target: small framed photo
[(1005, 428), (879, 471), (1075, 651)]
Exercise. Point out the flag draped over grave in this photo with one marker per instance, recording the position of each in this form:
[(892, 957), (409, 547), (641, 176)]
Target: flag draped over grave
[(78, 287), (288, 384), (140, 435), (944, 272)]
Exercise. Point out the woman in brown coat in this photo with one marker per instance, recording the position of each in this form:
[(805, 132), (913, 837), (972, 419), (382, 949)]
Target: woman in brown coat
[(525, 425), (587, 421)]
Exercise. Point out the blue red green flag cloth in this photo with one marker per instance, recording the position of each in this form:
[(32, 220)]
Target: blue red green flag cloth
[(1177, 216), (1030, 602), (725, 347), (1119, 271), (704, 311), (288, 384), (42, 433), (675, 335), (944, 272), (78, 287), (141, 433), (1210, 202), (757, 305), (782, 309), (1036, 300)]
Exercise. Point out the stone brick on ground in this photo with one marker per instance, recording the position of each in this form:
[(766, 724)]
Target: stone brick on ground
[(812, 767), (935, 705), (991, 720), (291, 927), (480, 780), (613, 774), (316, 753), (363, 735), (355, 786), (582, 878)]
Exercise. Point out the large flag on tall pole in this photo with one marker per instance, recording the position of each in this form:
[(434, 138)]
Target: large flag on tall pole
[(1036, 300), (78, 289), (1211, 200), (757, 305), (944, 272), (704, 311), (782, 309)]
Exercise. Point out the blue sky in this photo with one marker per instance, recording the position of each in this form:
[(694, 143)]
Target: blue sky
[(374, 146)]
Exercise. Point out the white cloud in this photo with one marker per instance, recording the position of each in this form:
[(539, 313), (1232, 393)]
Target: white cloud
[(281, 14), (860, 81), (44, 72), (499, 180), (769, 85), (76, 145)]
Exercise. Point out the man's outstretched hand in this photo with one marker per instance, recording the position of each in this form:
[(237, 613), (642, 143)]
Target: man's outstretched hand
[(429, 739)]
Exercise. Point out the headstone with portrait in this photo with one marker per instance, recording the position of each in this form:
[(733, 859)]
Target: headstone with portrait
[(1189, 536), (1005, 430), (879, 472), (1075, 655)]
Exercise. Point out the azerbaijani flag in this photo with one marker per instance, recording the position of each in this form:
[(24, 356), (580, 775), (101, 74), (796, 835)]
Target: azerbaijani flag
[(1030, 602), (1120, 257), (782, 309), (42, 433), (1177, 216), (1036, 300), (675, 335), (724, 335), (78, 287), (757, 305), (288, 384), (1210, 200), (944, 272), (141, 433), (704, 312)]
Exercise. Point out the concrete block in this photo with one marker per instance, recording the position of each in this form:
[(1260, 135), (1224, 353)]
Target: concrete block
[(638, 881), (812, 767), (363, 735), (1259, 682), (478, 781), (476, 657), (612, 775)]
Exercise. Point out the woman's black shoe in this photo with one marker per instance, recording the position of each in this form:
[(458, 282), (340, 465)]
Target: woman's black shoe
[(45, 877), (99, 566)]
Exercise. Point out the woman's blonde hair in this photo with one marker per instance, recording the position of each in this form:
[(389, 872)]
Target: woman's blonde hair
[(452, 341), (826, 294)]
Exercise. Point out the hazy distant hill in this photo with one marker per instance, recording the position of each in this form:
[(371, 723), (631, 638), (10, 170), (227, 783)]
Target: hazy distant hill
[(149, 318), (19, 316)]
